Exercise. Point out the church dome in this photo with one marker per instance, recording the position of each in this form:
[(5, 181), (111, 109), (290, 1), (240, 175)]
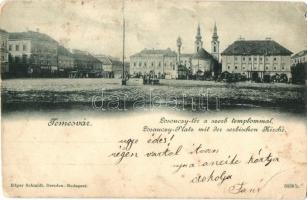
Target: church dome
[(202, 54)]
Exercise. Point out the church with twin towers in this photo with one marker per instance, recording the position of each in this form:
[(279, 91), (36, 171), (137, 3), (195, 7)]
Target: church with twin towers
[(169, 64)]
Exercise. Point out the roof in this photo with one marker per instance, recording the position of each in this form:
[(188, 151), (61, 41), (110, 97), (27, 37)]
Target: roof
[(118, 62), (109, 60), (164, 52), (63, 51), (186, 55), (3, 31), (80, 55), (300, 54), (30, 35), (118, 66), (115, 61), (104, 59), (256, 47), (203, 54)]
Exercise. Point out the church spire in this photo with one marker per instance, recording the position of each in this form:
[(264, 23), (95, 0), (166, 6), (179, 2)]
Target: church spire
[(198, 41), (215, 43), (198, 35), (215, 36)]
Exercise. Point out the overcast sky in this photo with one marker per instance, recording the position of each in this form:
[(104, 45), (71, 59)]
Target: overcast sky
[(96, 25)]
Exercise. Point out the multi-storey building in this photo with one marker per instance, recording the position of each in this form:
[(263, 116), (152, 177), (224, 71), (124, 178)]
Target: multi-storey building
[(300, 57), (65, 59), (86, 64), (112, 67), (4, 63), (256, 58), (164, 63), (106, 65), (201, 61), (160, 62), (32, 53), (117, 68)]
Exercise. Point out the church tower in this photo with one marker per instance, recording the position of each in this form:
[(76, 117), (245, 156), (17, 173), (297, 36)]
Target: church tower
[(198, 42), (215, 43)]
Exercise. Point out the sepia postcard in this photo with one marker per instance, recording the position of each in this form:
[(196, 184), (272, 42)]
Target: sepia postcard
[(153, 99)]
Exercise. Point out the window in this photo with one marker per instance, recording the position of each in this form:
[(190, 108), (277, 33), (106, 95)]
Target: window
[(266, 68), (214, 49), (236, 67), (243, 58), (152, 64), (266, 59), (24, 47), (236, 58), (145, 64), (250, 59), (10, 47), (274, 68), (134, 64), (243, 68), (282, 68), (159, 64), (228, 67), (140, 64), (275, 58), (17, 47), (255, 58), (260, 58)]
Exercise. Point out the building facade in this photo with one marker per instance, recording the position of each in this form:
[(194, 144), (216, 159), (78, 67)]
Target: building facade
[(299, 60), (65, 61), (200, 62), (113, 67), (160, 62), (32, 54), (117, 68), (203, 62), (106, 66), (300, 57), (4, 56), (170, 64), (86, 65), (256, 58)]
